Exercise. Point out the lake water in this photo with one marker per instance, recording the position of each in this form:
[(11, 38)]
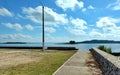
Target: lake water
[(115, 47)]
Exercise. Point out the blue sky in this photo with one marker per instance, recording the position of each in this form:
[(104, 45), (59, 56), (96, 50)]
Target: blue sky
[(79, 20)]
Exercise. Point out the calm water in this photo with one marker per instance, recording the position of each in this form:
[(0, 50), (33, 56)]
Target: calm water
[(115, 47)]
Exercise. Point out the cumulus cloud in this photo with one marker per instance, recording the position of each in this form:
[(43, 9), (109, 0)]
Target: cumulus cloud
[(115, 5), (76, 31), (90, 7), (5, 12), (95, 34), (14, 37), (108, 23), (69, 4), (78, 23), (51, 38), (84, 9), (15, 26), (99, 34), (110, 26), (20, 16), (50, 29), (77, 26), (29, 27), (51, 17)]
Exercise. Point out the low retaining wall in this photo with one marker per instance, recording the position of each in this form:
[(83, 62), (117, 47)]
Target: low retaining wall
[(48, 48), (110, 65), (62, 48)]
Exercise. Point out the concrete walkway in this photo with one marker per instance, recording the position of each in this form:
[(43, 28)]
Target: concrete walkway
[(75, 65)]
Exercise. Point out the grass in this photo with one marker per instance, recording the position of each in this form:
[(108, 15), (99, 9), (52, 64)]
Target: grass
[(50, 62)]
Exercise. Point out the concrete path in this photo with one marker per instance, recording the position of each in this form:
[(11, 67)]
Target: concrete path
[(75, 65)]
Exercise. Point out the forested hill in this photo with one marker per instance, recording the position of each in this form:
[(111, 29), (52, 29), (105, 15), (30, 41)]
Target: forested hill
[(93, 41)]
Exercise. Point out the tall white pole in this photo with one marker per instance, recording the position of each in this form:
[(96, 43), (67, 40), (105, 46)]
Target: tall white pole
[(43, 39)]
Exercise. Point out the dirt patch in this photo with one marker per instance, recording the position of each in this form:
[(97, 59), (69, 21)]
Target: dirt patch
[(16, 57), (93, 65)]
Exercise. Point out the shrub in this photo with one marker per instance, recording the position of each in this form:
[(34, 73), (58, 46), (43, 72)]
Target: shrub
[(109, 50), (103, 48)]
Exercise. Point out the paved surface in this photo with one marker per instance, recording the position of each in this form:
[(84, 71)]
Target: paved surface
[(75, 65)]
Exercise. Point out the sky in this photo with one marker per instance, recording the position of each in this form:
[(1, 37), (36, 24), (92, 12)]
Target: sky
[(65, 20)]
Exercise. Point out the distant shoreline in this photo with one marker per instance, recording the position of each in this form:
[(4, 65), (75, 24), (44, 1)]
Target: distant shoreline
[(90, 43), (94, 42), (14, 43)]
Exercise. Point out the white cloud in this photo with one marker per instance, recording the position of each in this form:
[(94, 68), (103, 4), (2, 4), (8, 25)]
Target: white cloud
[(50, 29), (51, 17), (109, 26), (108, 23), (106, 28), (100, 34), (84, 9), (5, 12), (29, 27), (76, 31), (51, 38), (95, 34), (90, 7), (14, 37), (77, 26), (115, 5), (79, 23), (20, 16), (15, 26), (69, 4)]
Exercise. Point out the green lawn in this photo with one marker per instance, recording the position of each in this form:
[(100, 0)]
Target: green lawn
[(49, 63)]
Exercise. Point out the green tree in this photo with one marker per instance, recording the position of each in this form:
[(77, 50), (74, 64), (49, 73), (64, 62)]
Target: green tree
[(72, 42)]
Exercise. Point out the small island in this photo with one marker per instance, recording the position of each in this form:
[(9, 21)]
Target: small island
[(14, 43)]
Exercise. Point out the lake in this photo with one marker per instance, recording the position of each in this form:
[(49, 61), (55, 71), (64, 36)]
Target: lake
[(115, 47)]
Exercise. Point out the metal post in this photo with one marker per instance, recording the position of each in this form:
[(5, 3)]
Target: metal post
[(43, 40)]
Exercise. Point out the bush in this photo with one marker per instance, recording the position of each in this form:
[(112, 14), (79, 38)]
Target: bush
[(103, 48), (109, 50)]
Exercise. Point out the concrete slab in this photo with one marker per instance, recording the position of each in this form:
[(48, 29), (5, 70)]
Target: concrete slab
[(73, 70), (75, 65)]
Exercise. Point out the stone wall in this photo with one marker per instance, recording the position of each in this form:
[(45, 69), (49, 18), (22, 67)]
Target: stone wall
[(109, 64)]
